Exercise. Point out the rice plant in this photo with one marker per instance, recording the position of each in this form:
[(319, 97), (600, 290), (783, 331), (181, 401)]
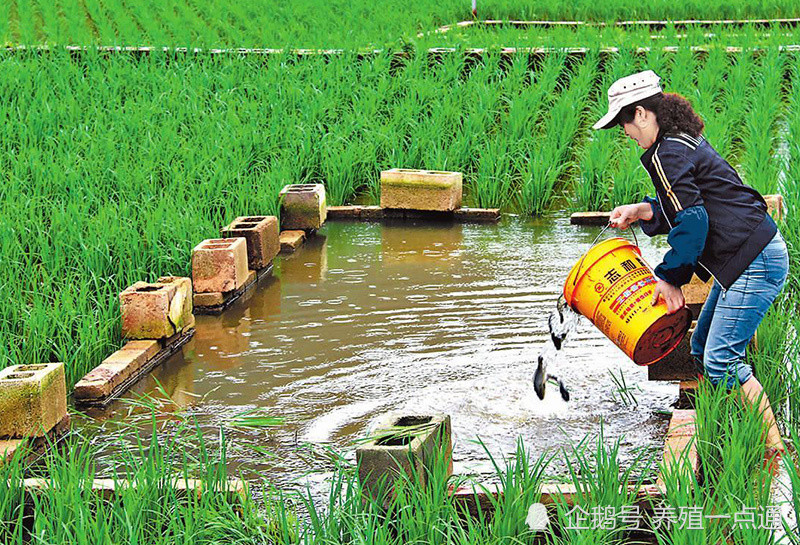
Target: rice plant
[(760, 164), (602, 487), (147, 509), (305, 23)]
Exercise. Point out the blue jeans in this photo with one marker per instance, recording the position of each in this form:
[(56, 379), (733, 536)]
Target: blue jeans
[(729, 318)]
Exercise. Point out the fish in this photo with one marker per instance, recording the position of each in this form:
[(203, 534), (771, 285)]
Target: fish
[(540, 378)]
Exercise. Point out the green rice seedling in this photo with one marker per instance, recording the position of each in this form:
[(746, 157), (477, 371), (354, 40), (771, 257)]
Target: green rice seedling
[(792, 468), (760, 163), (684, 495), (622, 389), (12, 499), (738, 85), (730, 441), (592, 185), (520, 480), (308, 24), (567, 115), (629, 181), (771, 361), (146, 507), (602, 487)]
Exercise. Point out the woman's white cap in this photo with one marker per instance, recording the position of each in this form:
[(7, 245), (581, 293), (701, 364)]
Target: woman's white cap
[(626, 91)]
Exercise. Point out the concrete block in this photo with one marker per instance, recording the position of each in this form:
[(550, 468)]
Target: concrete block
[(219, 265), (407, 188), (101, 381), (775, 206), (402, 445), (180, 307), (291, 240), (33, 446), (303, 206), (33, 399), (208, 299), (261, 234), (145, 309)]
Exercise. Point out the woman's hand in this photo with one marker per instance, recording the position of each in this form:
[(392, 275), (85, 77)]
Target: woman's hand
[(670, 294), (623, 216)]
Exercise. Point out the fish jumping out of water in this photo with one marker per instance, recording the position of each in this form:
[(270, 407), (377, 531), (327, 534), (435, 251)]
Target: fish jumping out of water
[(541, 378)]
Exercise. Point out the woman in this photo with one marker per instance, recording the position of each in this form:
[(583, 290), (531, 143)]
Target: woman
[(716, 225)]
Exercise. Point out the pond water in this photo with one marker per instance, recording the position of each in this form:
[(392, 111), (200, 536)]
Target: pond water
[(412, 317)]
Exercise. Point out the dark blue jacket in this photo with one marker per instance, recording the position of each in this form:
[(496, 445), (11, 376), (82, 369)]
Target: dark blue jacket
[(716, 224)]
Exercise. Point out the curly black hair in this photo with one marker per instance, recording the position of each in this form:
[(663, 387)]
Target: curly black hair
[(674, 114)]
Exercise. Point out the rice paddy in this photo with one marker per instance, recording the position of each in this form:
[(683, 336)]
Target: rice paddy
[(114, 166), (305, 23)]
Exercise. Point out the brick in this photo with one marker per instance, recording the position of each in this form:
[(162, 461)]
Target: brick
[(414, 189), (303, 206), (372, 213), (477, 214), (219, 265), (180, 307), (590, 218), (775, 206), (680, 444), (261, 234), (208, 299), (291, 240), (33, 399), (344, 212), (101, 381), (391, 452)]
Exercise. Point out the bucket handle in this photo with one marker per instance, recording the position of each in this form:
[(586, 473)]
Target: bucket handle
[(580, 265)]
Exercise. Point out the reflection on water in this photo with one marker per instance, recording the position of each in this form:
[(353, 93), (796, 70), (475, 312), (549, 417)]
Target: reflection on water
[(367, 318)]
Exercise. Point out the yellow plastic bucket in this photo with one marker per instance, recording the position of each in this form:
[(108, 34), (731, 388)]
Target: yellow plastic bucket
[(613, 286)]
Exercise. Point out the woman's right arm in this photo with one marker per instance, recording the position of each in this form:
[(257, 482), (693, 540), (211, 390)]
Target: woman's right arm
[(623, 216)]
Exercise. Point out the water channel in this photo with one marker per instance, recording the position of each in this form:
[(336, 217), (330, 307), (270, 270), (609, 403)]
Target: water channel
[(412, 317)]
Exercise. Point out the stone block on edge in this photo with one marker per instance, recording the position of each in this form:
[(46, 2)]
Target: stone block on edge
[(412, 189), (219, 265), (156, 310), (403, 444), (303, 207), (33, 399), (261, 234), (101, 381)]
